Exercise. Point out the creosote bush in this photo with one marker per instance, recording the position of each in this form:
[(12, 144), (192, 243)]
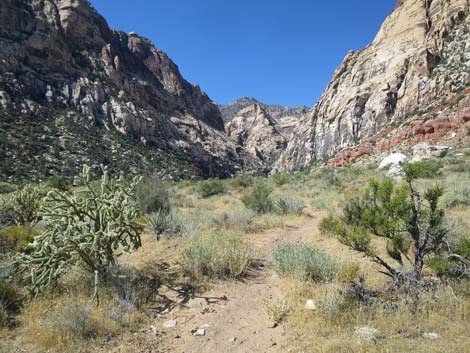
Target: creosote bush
[(303, 262), (89, 228), (259, 198), (211, 187), (218, 254)]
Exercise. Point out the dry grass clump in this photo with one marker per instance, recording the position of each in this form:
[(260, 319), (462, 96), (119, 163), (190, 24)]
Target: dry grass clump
[(217, 254), (303, 262), (71, 323)]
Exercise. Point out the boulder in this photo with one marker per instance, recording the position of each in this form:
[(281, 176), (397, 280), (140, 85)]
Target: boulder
[(394, 163), (426, 150)]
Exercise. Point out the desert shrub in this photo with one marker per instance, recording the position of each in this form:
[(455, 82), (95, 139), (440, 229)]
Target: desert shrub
[(456, 196), (7, 215), (281, 179), (303, 262), (238, 219), (347, 272), (276, 310), (217, 255), (242, 181), (426, 169), (453, 261), (59, 182), (18, 237), (259, 199), (25, 204), (211, 187), (334, 299), (286, 206), (135, 288), (71, 323), (89, 228), (10, 302), (164, 224), (409, 221), (153, 196)]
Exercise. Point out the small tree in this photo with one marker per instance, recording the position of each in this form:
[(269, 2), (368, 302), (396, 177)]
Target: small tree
[(89, 227), (412, 224)]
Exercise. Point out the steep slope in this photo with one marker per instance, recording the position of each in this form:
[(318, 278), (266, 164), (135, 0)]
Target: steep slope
[(72, 90), (418, 61), (286, 116), (255, 129)]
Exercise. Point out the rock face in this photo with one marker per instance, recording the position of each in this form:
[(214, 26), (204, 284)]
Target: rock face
[(419, 61), (66, 77), (229, 111), (286, 117), (255, 129)]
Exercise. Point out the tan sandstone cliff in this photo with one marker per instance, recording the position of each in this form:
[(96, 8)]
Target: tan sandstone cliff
[(419, 60)]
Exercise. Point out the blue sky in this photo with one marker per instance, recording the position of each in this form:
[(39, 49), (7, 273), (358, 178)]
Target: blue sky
[(278, 51)]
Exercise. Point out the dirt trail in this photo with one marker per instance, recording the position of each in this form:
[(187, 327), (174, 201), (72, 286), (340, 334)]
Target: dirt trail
[(239, 323)]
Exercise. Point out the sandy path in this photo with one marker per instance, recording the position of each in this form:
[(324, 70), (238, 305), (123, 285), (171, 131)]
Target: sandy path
[(239, 323)]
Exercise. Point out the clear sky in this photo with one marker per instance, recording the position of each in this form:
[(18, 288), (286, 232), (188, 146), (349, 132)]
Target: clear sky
[(278, 51)]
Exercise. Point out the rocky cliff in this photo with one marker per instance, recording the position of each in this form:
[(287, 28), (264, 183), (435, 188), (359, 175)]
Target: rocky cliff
[(74, 91), (286, 117), (258, 132), (413, 76)]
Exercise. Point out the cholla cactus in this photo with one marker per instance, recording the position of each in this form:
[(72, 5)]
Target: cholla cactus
[(89, 227), (25, 204)]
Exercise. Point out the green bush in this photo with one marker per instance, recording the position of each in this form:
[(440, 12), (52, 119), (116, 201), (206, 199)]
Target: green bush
[(217, 255), (426, 169), (242, 181), (59, 183), (281, 179), (259, 198), (211, 187), (18, 237), (462, 248), (459, 195), (303, 262), (153, 196), (286, 206)]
